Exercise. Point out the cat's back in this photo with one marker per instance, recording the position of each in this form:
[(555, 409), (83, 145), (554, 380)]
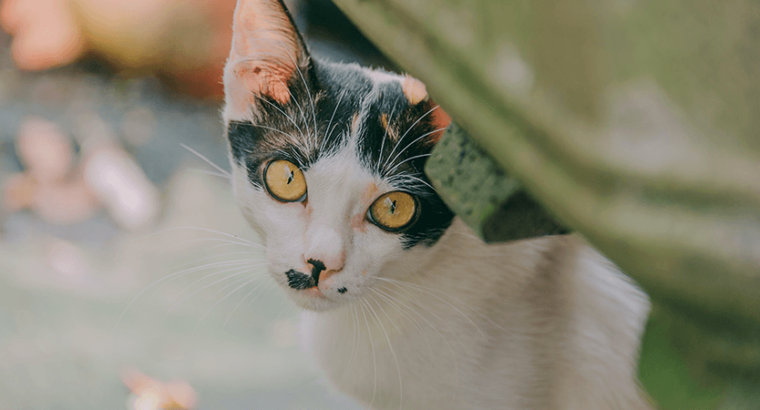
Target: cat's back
[(563, 324)]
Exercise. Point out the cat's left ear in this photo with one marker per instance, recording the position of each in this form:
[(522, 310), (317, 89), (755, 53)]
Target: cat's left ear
[(266, 56), (416, 93)]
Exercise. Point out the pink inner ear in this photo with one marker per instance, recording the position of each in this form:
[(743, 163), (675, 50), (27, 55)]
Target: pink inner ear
[(265, 49), (261, 78)]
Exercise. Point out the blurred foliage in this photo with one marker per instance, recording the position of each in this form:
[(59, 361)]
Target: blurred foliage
[(633, 122), (184, 41)]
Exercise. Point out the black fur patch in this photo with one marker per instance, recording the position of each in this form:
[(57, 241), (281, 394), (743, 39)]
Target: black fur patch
[(342, 290), (317, 118), (298, 280)]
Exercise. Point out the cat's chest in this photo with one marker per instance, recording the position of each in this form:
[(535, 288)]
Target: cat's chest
[(418, 350)]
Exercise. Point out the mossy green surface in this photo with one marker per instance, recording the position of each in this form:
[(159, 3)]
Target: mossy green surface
[(479, 191), (633, 122)]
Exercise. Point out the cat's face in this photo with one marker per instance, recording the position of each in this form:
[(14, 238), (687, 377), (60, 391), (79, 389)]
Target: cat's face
[(327, 162)]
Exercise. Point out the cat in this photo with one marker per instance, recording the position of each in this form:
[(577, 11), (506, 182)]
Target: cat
[(404, 307)]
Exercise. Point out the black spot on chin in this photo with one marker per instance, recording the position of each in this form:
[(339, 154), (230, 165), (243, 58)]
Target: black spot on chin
[(298, 280), (342, 290)]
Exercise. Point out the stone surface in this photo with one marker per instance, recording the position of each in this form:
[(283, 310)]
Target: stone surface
[(633, 122), (479, 191)]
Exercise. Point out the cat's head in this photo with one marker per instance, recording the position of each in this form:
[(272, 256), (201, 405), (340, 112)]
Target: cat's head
[(328, 162)]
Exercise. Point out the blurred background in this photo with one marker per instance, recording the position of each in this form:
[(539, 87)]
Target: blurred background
[(128, 278)]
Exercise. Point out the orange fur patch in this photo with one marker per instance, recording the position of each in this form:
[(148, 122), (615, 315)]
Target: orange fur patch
[(354, 123), (414, 89), (265, 48), (390, 132), (440, 120), (357, 222), (368, 196)]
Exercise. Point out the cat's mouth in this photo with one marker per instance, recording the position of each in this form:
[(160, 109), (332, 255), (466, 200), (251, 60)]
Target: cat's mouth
[(307, 285)]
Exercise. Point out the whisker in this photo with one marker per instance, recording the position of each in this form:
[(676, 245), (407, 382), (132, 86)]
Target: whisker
[(435, 329), (401, 177), (374, 358), (392, 301), (423, 289), (194, 262), (222, 300), (175, 228), (390, 346), (308, 92), (213, 174), (229, 285), (225, 242), (407, 160), (243, 300), (244, 269), (385, 165), (175, 274), (208, 161), (286, 116), (385, 136), (354, 346), (329, 132), (273, 284), (414, 142)]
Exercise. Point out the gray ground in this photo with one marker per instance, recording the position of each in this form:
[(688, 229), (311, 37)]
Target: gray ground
[(63, 289)]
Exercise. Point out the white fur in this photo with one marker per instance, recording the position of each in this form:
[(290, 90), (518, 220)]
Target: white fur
[(484, 327), (540, 324)]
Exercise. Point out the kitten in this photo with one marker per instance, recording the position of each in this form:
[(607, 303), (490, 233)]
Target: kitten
[(405, 307)]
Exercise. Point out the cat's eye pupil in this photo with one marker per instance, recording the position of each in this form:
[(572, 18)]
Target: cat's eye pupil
[(393, 211), (285, 181)]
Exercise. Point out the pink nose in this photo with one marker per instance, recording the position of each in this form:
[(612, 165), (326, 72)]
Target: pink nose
[(327, 248), (319, 270)]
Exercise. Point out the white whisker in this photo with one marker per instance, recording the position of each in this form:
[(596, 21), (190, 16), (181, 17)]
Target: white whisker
[(208, 161), (239, 271), (393, 301), (222, 300), (385, 165), (407, 160), (423, 289), (355, 345), (382, 143), (328, 131), (435, 329), (412, 143), (213, 174), (390, 346), (174, 275), (243, 300), (308, 92), (286, 116), (374, 358)]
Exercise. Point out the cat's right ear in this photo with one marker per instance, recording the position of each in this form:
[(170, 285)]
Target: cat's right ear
[(267, 52)]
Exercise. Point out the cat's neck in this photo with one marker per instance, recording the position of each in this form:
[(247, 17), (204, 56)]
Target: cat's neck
[(525, 307)]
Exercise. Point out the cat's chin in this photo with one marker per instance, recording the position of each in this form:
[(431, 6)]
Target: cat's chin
[(312, 299)]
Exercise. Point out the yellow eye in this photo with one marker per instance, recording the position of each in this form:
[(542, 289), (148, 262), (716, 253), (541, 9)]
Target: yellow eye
[(393, 211), (285, 182)]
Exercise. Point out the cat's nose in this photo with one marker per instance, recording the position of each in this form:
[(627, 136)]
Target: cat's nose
[(319, 270), (326, 247)]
